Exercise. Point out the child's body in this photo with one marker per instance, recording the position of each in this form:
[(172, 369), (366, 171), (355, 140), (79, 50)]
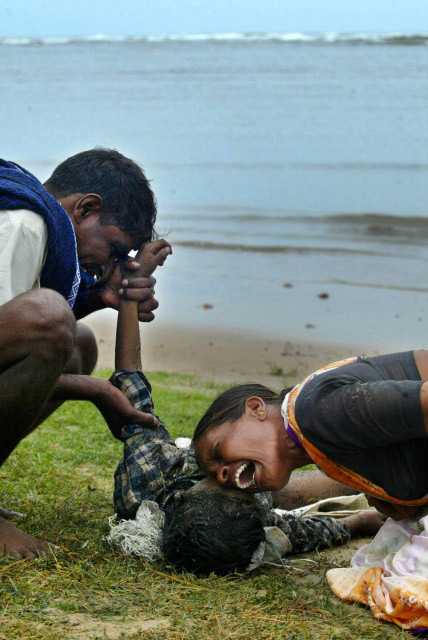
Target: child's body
[(154, 469)]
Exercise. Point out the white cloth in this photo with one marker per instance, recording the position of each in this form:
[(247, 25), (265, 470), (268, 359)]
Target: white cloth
[(183, 443), (400, 548), (23, 249), (142, 537), (338, 507), (390, 575)]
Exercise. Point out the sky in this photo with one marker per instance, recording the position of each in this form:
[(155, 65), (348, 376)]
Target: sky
[(50, 18)]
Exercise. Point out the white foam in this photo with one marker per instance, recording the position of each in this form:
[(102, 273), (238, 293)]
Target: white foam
[(323, 38)]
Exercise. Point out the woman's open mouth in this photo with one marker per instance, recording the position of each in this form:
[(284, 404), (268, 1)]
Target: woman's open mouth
[(244, 476)]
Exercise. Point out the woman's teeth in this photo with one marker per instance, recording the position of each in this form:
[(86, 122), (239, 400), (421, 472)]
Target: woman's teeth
[(245, 480)]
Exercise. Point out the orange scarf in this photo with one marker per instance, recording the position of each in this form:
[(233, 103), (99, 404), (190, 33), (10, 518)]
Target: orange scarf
[(333, 469)]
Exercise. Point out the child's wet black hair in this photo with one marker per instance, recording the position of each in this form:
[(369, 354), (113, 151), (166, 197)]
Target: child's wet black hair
[(210, 532)]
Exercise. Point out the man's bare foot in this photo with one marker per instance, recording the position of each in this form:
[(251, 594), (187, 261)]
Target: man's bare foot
[(17, 543)]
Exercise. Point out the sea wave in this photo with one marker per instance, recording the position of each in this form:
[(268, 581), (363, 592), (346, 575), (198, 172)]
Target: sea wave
[(260, 248), (320, 233), (249, 165), (248, 214), (376, 285), (412, 39)]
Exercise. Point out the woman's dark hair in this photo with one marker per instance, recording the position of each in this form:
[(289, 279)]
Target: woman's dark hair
[(128, 201), (230, 405), (209, 532)]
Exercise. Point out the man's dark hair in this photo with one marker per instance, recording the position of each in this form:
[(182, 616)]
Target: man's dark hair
[(128, 201), (208, 532)]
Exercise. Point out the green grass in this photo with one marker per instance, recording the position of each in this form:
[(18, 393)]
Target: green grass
[(61, 477)]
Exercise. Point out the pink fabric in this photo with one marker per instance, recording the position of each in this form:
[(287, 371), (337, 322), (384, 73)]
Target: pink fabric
[(390, 575)]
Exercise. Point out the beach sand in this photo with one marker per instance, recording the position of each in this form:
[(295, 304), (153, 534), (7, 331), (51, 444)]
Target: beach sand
[(221, 356)]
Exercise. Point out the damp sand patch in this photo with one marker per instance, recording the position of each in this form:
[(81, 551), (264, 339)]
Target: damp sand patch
[(83, 625)]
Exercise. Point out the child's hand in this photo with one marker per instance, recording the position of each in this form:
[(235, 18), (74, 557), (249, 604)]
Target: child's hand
[(151, 256), (138, 283)]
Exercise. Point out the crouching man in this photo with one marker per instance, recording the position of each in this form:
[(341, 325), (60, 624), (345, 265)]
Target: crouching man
[(62, 248)]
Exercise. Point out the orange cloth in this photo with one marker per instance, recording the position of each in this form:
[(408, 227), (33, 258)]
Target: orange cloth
[(402, 600), (333, 469)]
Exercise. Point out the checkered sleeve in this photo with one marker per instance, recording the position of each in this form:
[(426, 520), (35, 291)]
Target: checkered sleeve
[(152, 466), (313, 532)]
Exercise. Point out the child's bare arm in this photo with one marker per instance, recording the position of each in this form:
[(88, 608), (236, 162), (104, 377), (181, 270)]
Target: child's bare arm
[(128, 347), (136, 285)]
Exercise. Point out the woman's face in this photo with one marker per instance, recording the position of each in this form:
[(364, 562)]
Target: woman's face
[(249, 453)]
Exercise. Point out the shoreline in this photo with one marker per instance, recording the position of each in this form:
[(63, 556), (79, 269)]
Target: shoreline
[(222, 356)]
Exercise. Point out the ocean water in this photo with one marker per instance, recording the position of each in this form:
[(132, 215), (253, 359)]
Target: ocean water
[(285, 166)]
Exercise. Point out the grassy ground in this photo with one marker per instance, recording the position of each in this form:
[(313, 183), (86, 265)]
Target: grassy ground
[(61, 478)]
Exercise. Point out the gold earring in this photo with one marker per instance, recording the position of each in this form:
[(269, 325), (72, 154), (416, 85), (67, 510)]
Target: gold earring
[(261, 413)]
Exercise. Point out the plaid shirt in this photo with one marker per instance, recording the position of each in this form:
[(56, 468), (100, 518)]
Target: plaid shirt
[(154, 468)]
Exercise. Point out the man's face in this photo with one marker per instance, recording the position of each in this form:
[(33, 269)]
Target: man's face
[(100, 247)]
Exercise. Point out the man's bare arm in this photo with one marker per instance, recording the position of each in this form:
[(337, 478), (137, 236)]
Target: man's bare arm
[(114, 406)]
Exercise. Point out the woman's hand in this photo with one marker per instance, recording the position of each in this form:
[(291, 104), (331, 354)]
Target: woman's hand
[(394, 511)]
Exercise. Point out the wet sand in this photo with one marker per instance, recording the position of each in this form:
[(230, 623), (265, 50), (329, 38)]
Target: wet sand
[(221, 356)]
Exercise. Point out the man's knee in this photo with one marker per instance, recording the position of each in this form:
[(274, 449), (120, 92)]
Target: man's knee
[(48, 322), (55, 322), (85, 352)]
